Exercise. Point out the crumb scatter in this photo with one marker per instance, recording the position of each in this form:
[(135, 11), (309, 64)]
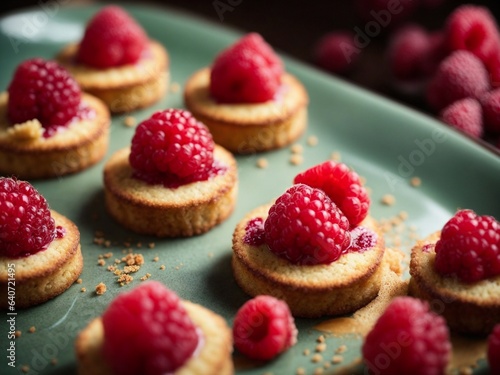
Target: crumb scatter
[(100, 289)]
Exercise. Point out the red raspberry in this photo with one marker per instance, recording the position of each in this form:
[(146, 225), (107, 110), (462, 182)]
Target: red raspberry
[(472, 28), (249, 71), (342, 186), (26, 226), (494, 350), (43, 90), (493, 66), (465, 115), (459, 76), (469, 247), (306, 227), (263, 328), (112, 38), (336, 52), (409, 339), (172, 142), (491, 110), (147, 331)]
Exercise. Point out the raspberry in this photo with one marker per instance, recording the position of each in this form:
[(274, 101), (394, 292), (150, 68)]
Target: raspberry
[(26, 226), (306, 227), (472, 28), (407, 339), (336, 52), (459, 76), (247, 72), (172, 143), (494, 350), (491, 110), (341, 185), (112, 38), (466, 116), (263, 328), (43, 90), (147, 331), (493, 66), (469, 247)]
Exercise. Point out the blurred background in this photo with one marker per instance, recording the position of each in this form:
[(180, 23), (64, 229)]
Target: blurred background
[(295, 27)]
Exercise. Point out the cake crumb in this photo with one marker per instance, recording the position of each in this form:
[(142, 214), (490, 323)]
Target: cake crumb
[(320, 348), (107, 255), (175, 87), (151, 245), (30, 130), (300, 371), (415, 182), (307, 352), (17, 333), (162, 267), (156, 259), (262, 163), (145, 277), (312, 140), (32, 329), (139, 244), (130, 121), (326, 364), (336, 359), (318, 371), (297, 148), (53, 361), (388, 200), (79, 281), (124, 279), (317, 358), (25, 368), (210, 254), (131, 269), (296, 159), (320, 339), (341, 349), (83, 290), (336, 156), (101, 262), (107, 243), (465, 370), (100, 289), (111, 268)]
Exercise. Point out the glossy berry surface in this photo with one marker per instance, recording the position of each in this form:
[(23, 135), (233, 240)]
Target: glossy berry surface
[(43, 90), (147, 331), (465, 115), (407, 339), (343, 187), (172, 143), (249, 71), (460, 75), (469, 247), (264, 328), (26, 226), (304, 226), (493, 354), (112, 38)]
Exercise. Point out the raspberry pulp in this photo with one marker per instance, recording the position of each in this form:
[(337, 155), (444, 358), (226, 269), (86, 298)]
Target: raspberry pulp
[(342, 186), (304, 226), (254, 232), (460, 75), (336, 52), (26, 226), (493, 354), (465, 115), (249, 71), (472, 28), (173, 147), (407, 339), (43, 90), (112, 38), (148, 331), (362, 239), (263, 328), (469, 247)]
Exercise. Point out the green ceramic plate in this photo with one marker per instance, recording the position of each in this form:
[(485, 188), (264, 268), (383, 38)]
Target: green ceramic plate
[(386, 143)]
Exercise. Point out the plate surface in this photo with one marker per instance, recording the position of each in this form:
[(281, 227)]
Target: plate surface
[(386, 143)]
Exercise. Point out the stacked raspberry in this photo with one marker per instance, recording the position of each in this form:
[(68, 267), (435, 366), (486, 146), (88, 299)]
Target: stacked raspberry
[(311, 222)]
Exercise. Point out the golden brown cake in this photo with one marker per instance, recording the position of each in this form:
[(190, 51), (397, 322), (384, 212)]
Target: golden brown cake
[(46, 274), (25, 153), (468, 308), (248, 128), (187, 210), (310, 291), (123, 88), (214, 357)]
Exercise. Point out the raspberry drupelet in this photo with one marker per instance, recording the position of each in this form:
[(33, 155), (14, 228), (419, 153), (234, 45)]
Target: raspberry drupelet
[(264, 328), (465, 115), (408, 339)]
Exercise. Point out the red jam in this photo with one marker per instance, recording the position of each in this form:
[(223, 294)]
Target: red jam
[(60, 232), (362, 239), (84, 113), (254, 232), (427, 248)]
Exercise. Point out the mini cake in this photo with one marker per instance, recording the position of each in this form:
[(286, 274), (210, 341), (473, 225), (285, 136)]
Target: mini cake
[(173, 181), (40, 255), (116, 62), (57, 131), (304, 250), (457, 270), (246, 99), (165, 336)]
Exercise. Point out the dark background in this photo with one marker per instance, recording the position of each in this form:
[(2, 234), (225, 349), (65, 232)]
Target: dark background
[(293, 27)]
